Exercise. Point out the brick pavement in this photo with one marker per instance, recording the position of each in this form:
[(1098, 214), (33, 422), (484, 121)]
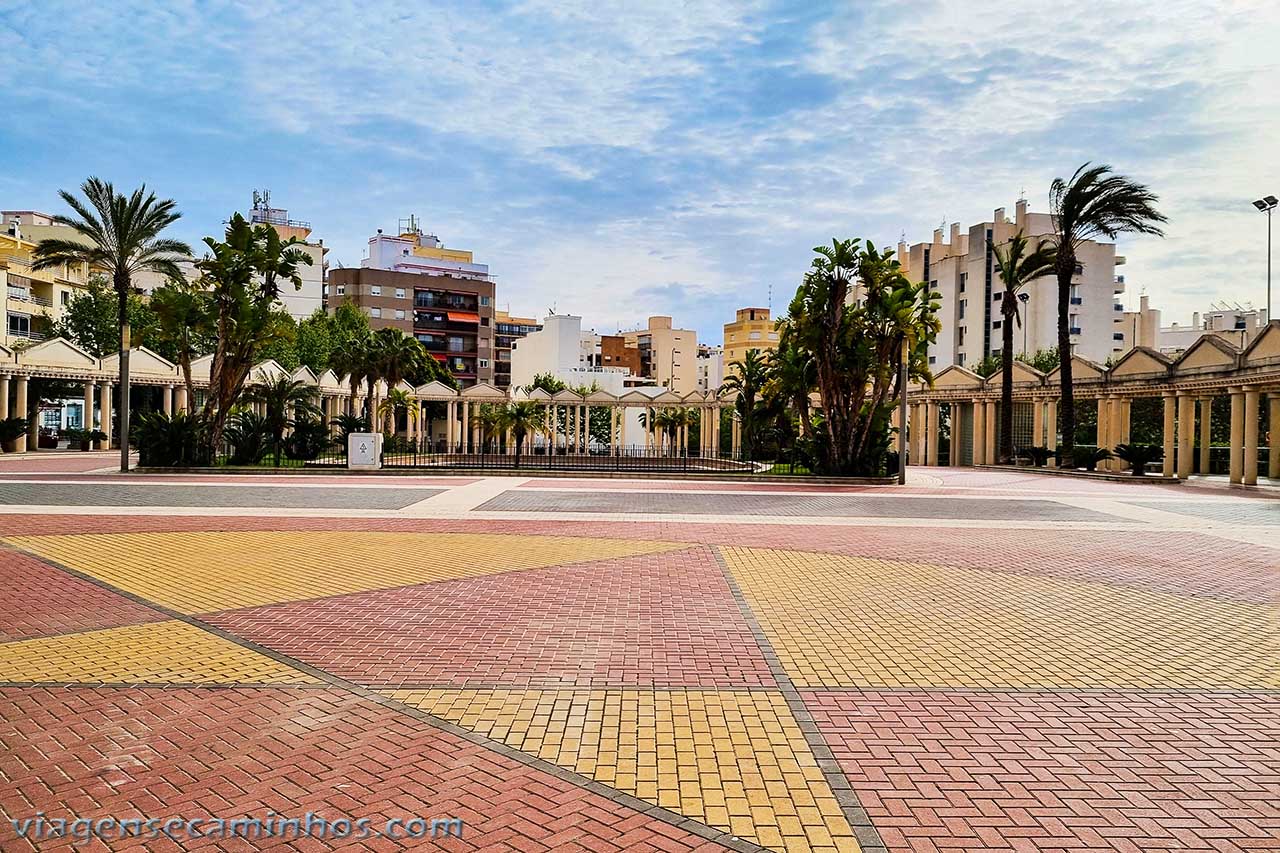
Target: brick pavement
[(986, 688)]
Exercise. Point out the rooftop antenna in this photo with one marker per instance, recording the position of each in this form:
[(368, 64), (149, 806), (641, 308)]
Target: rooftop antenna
[(771, 298), (1022, 194)]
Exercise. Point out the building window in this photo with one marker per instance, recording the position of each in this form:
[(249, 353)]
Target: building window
[(963, 302), (66, 297), (959, 359), (399, 313), (342, 290), (773, 336), (997, 324), (960, 340), (375, 290), (399, 293), (484, 300), (933, 359), (997, 296), (484, 362), (964, 277), (375, 312), (19, 324), (755, 336)]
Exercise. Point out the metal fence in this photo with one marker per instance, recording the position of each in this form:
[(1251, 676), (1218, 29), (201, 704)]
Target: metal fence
[(637, 459)]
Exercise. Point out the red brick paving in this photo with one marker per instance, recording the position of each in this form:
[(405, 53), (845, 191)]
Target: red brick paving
[(665, 620), (1185, 564), (1057, 771), (38, 600), (58, 462), (241, 752)]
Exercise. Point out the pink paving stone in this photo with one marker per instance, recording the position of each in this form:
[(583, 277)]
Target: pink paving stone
[(666, 620), (38, 600), (964, 770)]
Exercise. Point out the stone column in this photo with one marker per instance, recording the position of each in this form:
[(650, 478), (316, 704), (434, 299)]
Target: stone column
[(931, 434), (1273, 443), (1237, 435), (1206, 433), (1252, 397), (737, 438), (1168, 468), (991, 432), (586, 429), (979, 433), (1037, 423), (104, 404), (4, 397), (1051, 428), (20, 411), (957, 434), (168, 400), (87, 417), (1186, 432)]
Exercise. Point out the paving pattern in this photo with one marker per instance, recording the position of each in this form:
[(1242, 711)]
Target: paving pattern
[(1076, 668)]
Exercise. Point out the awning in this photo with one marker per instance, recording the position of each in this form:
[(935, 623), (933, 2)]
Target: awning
[(463, 317)]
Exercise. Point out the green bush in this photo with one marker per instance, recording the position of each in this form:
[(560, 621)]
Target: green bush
[(180, 440), (1139, 455), (1089, 458), (1040, 455), (12, 429), (348, 424), (248, 437), (308, 440)]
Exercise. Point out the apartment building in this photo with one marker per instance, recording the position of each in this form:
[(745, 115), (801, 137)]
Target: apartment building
[(508, 330), (304, 301), (668, 355), (440, 296), (752, 328), (1139, 328), (32, 298), (711, 366), (1235, 324), (961, 269)]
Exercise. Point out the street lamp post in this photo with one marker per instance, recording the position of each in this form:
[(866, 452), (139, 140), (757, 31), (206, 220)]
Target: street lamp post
[(1266, 204), (1024, 298)]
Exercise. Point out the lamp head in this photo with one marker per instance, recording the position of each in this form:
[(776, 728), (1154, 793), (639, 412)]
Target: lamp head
[(1265, 203)]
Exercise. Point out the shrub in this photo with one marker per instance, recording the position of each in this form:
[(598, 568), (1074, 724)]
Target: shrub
[(248, 438), (12, 429), (1040, 455), (348, 424), (308, 440), (1090, 458), (179, 440), (1139, 455)]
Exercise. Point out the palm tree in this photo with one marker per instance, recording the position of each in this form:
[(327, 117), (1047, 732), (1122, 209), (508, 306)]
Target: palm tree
[(349, 358), (398, 400), (397, 355), (120, 235), (1094, 203), (1016, 267), (182, 312), (488, 419), (748, 378), (285, 400), (520, 418), (792, 375)]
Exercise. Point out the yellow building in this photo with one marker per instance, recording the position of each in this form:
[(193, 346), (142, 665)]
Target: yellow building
[(30, 295), (669, 356), (753, 329)]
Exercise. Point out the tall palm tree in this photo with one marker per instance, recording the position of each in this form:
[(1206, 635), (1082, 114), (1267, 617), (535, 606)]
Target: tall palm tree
[(521, 418), (398, 355), (120, 235), (1095, 202), (285, 400), (748, 378), (398, 400), (349, 358), (1016, 267)]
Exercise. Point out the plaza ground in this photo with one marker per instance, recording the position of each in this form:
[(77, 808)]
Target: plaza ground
[(979, 660)]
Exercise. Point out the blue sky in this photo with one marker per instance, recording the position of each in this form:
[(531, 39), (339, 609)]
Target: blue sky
[(657, 157)]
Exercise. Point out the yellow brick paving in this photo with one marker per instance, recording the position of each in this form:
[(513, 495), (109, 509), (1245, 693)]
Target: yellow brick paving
[(208, 571), (154, 653), (839, 621), (734, 760)]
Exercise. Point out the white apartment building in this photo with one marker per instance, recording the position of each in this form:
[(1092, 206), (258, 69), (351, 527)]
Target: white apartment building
[(304, 301), (710, 367), (961, 269), (1237, 325), (563, 349), (413, 251)]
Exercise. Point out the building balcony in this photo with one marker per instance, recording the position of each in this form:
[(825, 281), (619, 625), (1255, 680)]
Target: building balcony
[(1076, 330), (1117, 307)]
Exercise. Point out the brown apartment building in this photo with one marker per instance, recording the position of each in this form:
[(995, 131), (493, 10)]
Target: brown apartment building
[(452, 316)]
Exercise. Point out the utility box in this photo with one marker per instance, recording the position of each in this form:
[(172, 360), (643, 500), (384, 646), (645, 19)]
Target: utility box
[(364, 450)]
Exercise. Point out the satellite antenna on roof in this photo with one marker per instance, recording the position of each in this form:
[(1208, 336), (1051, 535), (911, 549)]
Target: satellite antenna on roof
[(1022, 194)]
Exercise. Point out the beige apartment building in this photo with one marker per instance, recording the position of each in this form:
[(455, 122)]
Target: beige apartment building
[(961, 269), (30, 296), (669, 356), (507, 330), (752, 328)]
